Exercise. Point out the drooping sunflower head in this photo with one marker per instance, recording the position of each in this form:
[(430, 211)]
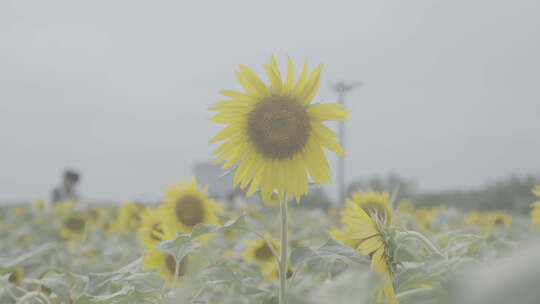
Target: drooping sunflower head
[(259, 252), (186, 206), (73, 226), (370, 236), (374, 204), (164, 263), (274, 134), (151, 232)]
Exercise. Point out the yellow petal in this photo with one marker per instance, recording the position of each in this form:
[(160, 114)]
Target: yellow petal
[(328, 111), (228, 131), (370, 245), (301, 82), (308, 91), (254, 80), (290, 77)]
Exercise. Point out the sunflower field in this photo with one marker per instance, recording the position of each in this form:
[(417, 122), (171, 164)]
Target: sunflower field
[(266, 247)]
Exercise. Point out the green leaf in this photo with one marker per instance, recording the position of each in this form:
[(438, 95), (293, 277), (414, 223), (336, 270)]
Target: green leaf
[(325, 258), (59, 284), (107, 298), (24, 257), (145, 282), (219, 274), (201, 229), (178, 247), (301, 255)]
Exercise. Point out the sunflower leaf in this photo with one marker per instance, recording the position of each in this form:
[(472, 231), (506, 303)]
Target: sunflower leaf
[(59, 284), (327, 257), (301, 255), (178, 247), (201, 229), (41, 249)]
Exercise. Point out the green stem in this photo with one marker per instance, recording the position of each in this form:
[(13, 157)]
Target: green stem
[(283, 259), (176, 270)]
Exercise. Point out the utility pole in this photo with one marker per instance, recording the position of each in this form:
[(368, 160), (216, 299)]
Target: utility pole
[(342, 88)]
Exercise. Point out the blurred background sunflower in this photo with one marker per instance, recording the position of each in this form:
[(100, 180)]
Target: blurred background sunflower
[(187, 205), (259, 252)]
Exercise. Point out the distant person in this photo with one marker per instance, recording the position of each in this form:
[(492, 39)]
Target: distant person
[(67, 190)]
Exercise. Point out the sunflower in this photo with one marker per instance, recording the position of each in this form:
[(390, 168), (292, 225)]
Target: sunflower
[(536, 190), (365, 232), (64, 207), (16, 276), (164, 263), (150, 234), (374, 203), (41, 205), (489, 222), (186, 206), (500, 220), (259, 252), (274, 134), (405, 206), (129, 216), (425, 216), (96, 214), (535, 213), (73, 226)]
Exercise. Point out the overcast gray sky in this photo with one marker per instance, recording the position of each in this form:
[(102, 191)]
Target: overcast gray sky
[(120, 89)]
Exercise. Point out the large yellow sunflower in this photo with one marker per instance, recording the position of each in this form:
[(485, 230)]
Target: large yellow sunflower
[(259, 252), (274, 134), (162, 262), (364, 234), (186, 206)]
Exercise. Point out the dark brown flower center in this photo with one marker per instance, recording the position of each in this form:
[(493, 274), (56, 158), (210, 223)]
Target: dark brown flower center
[(170, 263), (499, 222), (15, 277), (189, 210), (263, 253), (74, 223), (279, 127)]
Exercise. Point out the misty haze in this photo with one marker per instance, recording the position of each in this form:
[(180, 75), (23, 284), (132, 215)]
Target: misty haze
[(269, 152)]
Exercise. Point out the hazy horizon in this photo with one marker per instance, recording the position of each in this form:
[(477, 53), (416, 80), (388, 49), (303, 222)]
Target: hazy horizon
[(120, 90)]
